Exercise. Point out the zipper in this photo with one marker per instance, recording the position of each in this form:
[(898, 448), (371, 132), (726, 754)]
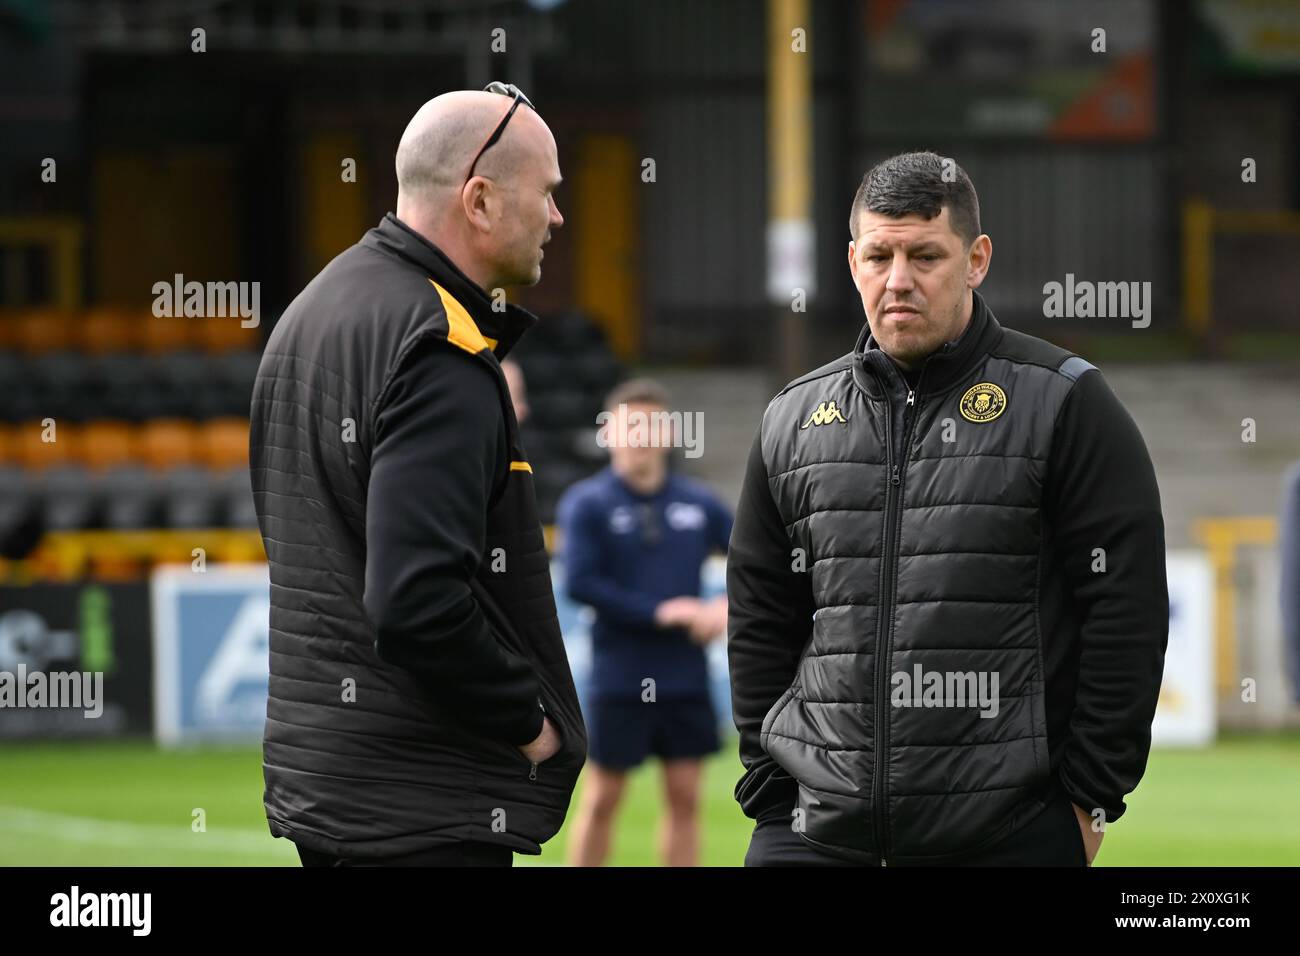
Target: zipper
[(888, 572)]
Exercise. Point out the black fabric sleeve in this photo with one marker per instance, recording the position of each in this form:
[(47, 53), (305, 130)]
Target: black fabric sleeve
[(440, 448), (1102, 493), (769, 623)]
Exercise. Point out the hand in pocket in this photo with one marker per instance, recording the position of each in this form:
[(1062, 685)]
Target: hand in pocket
[(1091, 837)]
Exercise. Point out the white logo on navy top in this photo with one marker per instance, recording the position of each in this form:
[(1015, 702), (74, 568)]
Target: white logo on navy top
[(683, 516), (622, 520)]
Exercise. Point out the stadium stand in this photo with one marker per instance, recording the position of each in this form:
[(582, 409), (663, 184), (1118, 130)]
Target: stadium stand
[(151, 429)]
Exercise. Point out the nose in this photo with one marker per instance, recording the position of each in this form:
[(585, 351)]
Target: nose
[(556, 219), (900, 274)]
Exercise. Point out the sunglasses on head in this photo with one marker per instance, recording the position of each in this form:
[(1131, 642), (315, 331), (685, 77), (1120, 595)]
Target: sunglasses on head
[(517, 97)]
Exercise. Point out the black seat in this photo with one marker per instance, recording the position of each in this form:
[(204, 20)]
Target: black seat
[(132, 498), (20, 513), (69, 499), (191, 499)]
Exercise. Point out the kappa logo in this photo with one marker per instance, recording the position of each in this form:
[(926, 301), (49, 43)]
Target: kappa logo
[(826, 412), (983, 402)]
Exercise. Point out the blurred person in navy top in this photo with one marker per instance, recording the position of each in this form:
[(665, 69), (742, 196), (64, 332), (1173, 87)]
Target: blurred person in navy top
[(634, 538)]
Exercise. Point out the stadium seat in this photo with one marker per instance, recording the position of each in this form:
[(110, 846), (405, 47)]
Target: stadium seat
[(33, 453), (566, 408), (44, 331), (219, 334), (162, 335), (237, 495), (186, 386), (20, 522), (63, 384), (69, 499), (9, 328), (106, 443), (18, 399), (132, 498), (235, 373), (223, 443), (191, 499), (125, 386), (8, 444), (166, 443), (106, 330), (543, 370), (598, 370)]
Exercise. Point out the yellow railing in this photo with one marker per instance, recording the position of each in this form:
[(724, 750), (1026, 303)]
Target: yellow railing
[(70, 555), (63, 238), (1201, 223), (1221, 538)]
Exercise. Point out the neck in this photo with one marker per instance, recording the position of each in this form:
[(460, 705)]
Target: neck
[(454, 245), (644, 480)]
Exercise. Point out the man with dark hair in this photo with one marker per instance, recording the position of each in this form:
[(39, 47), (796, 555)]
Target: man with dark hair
[(948, 606), (634, 538), (421, 709)]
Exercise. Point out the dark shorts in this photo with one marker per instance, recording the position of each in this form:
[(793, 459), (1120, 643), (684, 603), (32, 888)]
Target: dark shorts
[(1052, 838), (621, 734), (464, 853)]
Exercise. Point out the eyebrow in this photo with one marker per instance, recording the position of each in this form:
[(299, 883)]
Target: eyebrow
[(924, 245)]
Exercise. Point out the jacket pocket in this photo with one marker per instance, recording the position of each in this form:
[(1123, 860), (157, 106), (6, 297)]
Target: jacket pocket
[(775, 711), (510, 639)]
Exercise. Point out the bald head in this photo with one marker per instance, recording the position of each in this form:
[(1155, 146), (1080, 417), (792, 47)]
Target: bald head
[(439, 144), (494, 225)]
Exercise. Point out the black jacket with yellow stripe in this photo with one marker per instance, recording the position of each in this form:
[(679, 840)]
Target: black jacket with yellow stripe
[(414, 641)]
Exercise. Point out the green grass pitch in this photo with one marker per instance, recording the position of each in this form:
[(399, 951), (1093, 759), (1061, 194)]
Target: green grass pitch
[(132, 804)]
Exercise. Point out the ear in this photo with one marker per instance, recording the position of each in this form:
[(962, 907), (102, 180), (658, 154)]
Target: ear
[(474, 200), (853, 261), (981, 256)]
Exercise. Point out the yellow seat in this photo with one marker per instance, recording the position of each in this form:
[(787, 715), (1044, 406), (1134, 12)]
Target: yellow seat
[(8, 444), (31, 451), (167, 333), (168, 442), (107, 443), (219, 334), (48, 330), (101, 331), (224, 443)]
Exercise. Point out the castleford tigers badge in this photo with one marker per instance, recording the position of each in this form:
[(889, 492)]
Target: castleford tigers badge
[(983, 402), (826, 413)]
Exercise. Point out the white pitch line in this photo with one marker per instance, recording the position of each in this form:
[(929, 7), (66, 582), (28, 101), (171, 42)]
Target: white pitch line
[(119, 833), (153, 836)]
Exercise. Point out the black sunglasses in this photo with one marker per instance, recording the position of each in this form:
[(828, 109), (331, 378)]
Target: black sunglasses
[(516, 94)]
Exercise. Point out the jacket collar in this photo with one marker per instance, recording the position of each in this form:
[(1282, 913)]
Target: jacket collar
[(944, 367), (504, 328)]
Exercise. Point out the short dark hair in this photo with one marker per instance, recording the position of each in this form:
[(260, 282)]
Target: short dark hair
[(914, 183), (639, 391)]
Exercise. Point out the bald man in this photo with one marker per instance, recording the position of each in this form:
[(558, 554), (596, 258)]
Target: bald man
[(421, 709)]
